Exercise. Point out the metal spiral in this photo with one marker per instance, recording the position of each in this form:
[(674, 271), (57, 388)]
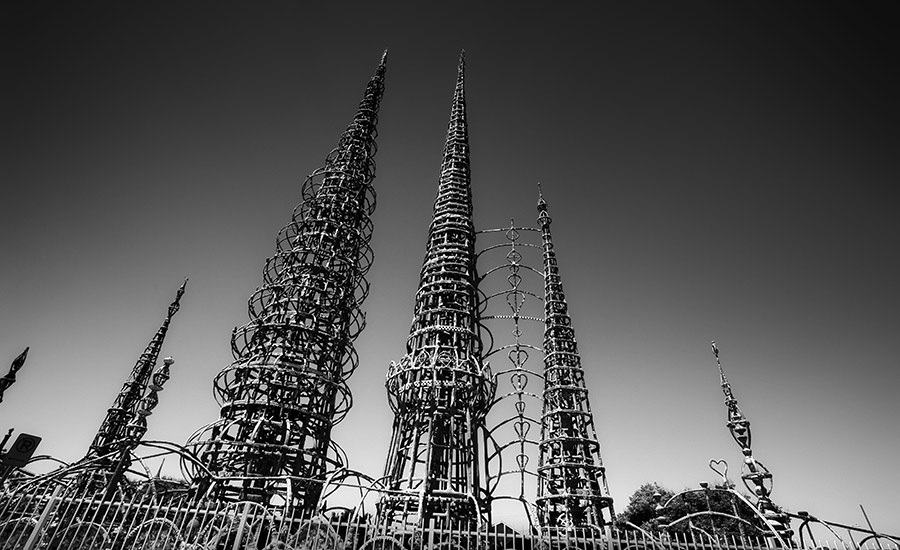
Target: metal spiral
[(287, 386)]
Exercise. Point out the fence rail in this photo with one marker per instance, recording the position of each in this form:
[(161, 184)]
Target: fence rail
[(56, 518)]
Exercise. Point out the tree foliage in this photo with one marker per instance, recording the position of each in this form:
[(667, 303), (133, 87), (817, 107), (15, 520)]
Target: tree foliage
[(642, 511)]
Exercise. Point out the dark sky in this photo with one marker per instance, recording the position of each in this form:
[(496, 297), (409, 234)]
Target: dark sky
[(714, 172)]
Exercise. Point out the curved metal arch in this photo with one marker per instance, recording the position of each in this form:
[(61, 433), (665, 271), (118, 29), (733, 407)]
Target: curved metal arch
[(506, 265), (132, 537), (739, 496)]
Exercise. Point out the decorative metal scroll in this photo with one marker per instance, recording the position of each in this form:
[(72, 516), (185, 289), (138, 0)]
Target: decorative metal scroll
[(287, 387)]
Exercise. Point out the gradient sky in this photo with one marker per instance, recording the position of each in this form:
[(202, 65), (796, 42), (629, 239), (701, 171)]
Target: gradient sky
[(714, 172)]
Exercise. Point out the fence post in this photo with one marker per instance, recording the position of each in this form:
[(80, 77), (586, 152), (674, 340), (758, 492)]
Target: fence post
[(36, 532)]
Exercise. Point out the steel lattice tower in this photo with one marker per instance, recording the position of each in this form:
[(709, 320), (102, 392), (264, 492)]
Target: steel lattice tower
[(572, 490), (125, 424), (756, 477), (440, 391), (287, 387)]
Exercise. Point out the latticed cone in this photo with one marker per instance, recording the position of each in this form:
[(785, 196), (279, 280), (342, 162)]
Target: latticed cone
[(572, 490), (440, 390), (287, 387)]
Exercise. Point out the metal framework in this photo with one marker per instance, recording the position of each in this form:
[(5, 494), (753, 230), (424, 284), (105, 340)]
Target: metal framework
[(513, 322), (287, 387), (572, 490), (756, 477), (125, 424), (440, 391)]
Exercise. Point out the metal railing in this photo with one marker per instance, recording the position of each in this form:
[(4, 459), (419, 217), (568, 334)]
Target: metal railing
[(54, 517)]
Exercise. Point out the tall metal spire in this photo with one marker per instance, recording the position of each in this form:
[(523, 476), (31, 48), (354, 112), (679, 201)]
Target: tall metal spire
[(757, 478), (125, 423), (440, 390), (287, 386), (572, 490)]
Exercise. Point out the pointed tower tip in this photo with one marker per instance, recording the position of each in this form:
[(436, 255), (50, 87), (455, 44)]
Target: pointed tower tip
[(715, 350), (541, 194), (384, 58), (176, 304)]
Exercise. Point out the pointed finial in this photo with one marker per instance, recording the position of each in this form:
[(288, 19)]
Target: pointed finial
[(10, 377), (383, 58), (541, 202), (176, 305), (544, 218), (19, 361), (715, 350), (461, 68)]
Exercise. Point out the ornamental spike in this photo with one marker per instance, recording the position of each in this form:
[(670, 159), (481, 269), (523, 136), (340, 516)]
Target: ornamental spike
[(440, 390), (287, 386), (10, 378), (572, 488), (756, 477)]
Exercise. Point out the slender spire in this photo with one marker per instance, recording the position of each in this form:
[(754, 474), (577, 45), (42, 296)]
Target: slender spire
[(738, 425), (287, 386), (124, 424), (572, 489), (440, 390), (10, 377), (755, 475)]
